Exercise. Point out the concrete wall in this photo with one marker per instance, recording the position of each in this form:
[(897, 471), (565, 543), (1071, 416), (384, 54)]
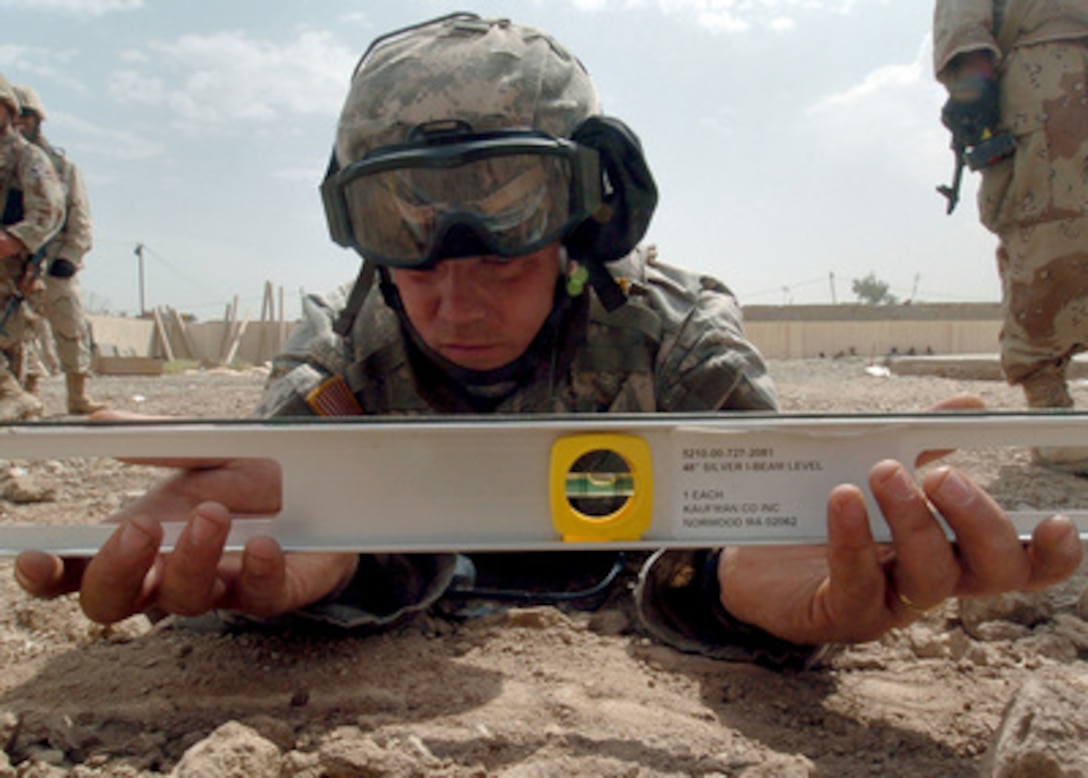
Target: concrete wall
[(204, 341), (124, 336), (780, 332), (803, 331)]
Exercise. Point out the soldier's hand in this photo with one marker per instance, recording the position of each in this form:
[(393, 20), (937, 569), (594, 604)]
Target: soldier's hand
[(856, 589), (31, 282), (973, 63), (130, 574), (10, 246)]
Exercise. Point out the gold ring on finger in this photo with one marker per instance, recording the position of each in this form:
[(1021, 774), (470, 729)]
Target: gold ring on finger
[(914, 607)]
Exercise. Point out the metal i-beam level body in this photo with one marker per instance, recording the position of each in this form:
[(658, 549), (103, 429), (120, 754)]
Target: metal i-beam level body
[(514, 482)]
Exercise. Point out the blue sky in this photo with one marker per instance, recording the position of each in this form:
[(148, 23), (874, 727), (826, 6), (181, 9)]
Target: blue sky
[(796, 143)]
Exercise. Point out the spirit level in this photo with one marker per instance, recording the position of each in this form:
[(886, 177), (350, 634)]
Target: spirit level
[(540, 482)]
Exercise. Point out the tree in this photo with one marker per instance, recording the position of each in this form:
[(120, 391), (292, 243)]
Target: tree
[(872, 291)]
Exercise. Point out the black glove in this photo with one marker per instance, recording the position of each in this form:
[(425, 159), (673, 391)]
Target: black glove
[(973, 109), (972, 113), (62, 268)]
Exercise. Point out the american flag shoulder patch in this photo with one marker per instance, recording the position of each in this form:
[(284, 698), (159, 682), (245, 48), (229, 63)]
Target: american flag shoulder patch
[(333, 397)]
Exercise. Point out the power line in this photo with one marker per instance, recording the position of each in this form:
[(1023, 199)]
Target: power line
[(914, 293), (169, 265), (780, 288), (141, 249)]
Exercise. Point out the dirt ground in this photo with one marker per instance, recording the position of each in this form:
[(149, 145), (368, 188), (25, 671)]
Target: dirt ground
[(531, 692)]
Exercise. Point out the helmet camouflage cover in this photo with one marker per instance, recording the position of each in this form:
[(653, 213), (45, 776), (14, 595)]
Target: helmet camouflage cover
[(487, 74), (29, 100)]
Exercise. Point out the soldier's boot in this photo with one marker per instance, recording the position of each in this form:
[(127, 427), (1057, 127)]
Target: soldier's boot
[(1044, 390), (15, 403), (31, 385), (79, 403)]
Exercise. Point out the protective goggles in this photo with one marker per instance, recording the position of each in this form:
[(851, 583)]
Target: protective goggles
[(509, 193)]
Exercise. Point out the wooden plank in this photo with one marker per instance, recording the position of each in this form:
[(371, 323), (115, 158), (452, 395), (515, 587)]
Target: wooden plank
[(282, 336), (113, 365), (235, 341), (163, 336), (268, 309), (183, 328), (230, 320)]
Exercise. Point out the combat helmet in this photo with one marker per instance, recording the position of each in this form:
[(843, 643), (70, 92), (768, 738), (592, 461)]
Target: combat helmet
[(8, 96), (486, 74), (29, 100), (490, 81)]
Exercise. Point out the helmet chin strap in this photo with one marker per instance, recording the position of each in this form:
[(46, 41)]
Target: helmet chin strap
[(346, 320), (608, 289)]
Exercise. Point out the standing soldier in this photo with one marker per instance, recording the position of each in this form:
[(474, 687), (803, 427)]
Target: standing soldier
[(33, 203), (63, 260), (1017, 75)]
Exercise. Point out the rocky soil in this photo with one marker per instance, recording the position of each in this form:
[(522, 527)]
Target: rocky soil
[(995, 686)]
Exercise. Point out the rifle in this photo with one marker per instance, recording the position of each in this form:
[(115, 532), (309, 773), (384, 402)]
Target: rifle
[(11, 307), (952, 192), (972, 114)]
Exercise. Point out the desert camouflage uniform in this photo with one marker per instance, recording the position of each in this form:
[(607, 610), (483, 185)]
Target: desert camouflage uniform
[(1037, 201), (39, 350), (26, 168), (62, 302), (677, 345)]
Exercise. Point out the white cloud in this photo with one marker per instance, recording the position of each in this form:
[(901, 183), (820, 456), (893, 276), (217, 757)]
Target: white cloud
[(355, 17), (110, 142), (11, 54), (36, 64), (86, 7), (878, 82), (590, 6), (128, 86), (891, 101), (722, 21), (230, 76), (883, 136), (729, 16)]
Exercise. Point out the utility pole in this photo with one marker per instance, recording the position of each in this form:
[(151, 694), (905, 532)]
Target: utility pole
[(831, 275), (139, 252)]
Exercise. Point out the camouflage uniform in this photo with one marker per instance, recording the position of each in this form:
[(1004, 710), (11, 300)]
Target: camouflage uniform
[(677, 345), (26, 172), (62, 302), (1037, 201)]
